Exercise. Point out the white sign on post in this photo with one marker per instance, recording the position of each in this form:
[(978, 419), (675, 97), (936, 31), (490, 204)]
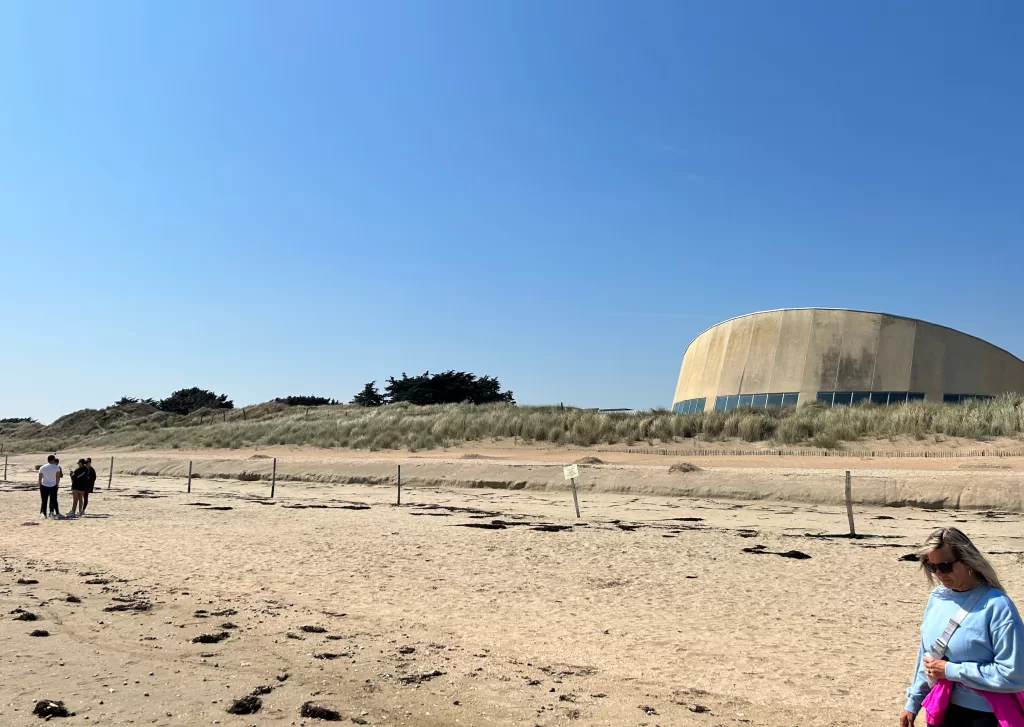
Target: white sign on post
[(571, 472)]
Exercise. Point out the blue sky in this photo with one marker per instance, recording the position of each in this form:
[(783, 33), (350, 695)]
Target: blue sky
[(295, 198)]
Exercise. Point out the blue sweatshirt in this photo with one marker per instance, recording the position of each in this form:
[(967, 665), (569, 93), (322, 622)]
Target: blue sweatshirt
[(986, 652)]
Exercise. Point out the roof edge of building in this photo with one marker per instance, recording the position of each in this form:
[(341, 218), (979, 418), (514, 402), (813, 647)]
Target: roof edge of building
[(855, 310)]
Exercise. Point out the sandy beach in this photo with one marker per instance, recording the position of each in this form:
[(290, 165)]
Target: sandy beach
[(465, 606)]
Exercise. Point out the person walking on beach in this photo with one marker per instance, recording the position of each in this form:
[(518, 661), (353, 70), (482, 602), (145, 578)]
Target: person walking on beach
[(970, 666), (79, 488), (91, 484), (49, 478)]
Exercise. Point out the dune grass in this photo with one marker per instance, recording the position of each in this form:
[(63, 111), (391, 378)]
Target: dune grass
[(403, 426)]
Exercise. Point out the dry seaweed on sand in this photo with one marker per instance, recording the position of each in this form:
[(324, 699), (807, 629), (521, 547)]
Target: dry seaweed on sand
[(249, 704), (210, 638), (315, 710), (762, 550), (49, 708)]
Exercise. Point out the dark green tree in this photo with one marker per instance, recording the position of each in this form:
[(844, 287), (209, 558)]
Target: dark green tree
[(448, 387), (369, 396), (186, 401), (306, 401)]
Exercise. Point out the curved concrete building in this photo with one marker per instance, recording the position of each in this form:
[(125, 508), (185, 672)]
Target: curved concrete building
[(837, 357)]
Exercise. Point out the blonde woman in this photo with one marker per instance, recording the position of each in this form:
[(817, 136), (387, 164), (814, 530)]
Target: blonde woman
[(984, 658)]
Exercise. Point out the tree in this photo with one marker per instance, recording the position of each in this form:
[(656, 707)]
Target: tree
[(127, 400), (306, 401), (186, 401), (369, 396), (448, 387)]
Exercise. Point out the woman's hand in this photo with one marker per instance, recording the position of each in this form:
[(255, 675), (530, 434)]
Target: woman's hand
[(907, 719), (935, 668)]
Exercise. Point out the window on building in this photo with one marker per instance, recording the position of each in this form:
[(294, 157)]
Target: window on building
[(842, 398), (881, 398), (961, 398), (690, 406), (755, 401)]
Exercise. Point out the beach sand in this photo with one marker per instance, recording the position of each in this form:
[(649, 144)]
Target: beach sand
[(642, 611)]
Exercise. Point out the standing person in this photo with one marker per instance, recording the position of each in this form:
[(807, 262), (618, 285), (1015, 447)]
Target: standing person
[(971, 660), (91, 482), (49, 478), (79, 488)]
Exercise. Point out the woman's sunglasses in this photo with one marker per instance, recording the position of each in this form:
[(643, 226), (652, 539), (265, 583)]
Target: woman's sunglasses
[(940, 567)]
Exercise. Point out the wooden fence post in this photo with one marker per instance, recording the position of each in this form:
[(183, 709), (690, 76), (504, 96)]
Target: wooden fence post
[(5, 468), (273, 478), (849, 505), (399, 485), (189, 476), (110, 477)]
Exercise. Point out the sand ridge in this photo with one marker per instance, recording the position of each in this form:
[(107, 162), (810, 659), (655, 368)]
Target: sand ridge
[(983, 483)]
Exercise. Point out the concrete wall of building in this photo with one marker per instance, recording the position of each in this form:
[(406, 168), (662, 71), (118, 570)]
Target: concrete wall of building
[(808, 350), (791, 352)]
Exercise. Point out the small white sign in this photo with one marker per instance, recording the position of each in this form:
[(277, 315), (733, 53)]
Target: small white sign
[(571, 472)]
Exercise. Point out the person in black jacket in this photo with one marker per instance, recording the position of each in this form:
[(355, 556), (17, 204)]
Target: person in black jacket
[(91, 482), (79, 484)]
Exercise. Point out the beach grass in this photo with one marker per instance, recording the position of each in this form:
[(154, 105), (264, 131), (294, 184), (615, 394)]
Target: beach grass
[(403, 426)]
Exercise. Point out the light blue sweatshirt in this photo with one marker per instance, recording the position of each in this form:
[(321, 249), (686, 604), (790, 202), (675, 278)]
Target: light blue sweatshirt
[(986, 652)]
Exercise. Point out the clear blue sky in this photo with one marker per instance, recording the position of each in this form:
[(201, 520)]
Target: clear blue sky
[(295, 198)]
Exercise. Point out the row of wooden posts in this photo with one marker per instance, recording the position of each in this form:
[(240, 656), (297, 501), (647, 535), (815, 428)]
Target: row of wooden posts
[(273, 478), (848, 494), (398, 500)]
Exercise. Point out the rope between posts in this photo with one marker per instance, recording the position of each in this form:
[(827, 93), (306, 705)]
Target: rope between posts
[(922, 454)]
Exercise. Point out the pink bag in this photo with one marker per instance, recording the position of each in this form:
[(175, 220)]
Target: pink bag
[(1008, 708)]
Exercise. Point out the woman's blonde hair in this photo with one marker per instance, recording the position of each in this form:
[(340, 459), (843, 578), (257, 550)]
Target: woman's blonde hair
[(963, 550)]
